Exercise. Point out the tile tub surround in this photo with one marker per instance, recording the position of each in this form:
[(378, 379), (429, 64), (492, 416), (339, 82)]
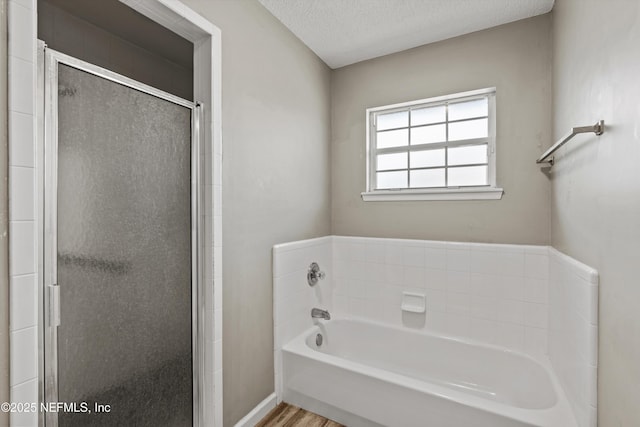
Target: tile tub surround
[(293, 298), (515, 296), (573, 333), (491, 293)]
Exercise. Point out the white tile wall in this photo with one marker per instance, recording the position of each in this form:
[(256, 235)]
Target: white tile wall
[(293, 298), (488, 292), (573, 333), (23, 348), (22, 247), (24, 392), (21, 77), (23, 294), (22, 207), (21, 135), (22, 214)]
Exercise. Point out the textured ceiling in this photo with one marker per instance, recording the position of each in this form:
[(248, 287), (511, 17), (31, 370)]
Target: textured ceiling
[(343, 32)]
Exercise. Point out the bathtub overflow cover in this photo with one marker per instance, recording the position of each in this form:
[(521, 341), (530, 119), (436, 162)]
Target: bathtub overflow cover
[(319, 340)]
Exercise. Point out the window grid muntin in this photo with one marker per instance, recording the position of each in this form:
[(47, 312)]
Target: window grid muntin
[(487, 141), (446, 150), (408, 151), (431, 124)]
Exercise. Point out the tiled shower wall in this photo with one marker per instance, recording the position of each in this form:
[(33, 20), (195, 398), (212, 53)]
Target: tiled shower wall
[(22, 207)]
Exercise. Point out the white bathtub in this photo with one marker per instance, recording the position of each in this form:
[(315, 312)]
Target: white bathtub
[(368, 374)]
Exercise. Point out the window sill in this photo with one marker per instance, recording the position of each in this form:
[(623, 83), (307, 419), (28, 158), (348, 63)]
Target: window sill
[(484, 193)]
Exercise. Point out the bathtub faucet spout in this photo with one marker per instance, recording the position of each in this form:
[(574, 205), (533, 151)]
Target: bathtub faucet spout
[(317, 313)]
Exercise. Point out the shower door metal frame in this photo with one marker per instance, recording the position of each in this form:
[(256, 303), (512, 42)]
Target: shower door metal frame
[(48, 295)]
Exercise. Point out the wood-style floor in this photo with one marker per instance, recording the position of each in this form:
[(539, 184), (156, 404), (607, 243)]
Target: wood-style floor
[(285, 415)]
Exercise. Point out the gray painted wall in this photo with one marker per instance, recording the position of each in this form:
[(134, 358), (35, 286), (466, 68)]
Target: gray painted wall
[(275, 115), (516, 59), (4, 219), (596, 180), (70, 34)]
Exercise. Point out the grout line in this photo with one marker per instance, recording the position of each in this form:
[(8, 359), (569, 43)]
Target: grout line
[(12, 56), (24, 329), (18, 276), (24, 382), (15, 3), (22, 112)]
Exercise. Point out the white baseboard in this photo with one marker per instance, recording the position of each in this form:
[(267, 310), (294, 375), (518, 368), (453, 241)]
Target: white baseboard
[(258, 413)]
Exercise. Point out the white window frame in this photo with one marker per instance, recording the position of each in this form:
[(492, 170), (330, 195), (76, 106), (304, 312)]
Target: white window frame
[(485, 192)]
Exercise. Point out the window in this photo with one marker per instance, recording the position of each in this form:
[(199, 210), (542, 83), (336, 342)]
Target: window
[(433, 149)]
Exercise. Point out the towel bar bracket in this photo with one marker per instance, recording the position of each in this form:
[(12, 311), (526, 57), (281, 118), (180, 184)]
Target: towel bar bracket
[(598, 129)]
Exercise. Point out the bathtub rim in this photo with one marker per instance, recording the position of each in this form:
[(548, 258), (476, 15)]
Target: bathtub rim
[(559, 414)]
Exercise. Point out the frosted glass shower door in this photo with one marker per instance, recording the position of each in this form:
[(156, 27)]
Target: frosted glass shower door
[(122, 253)]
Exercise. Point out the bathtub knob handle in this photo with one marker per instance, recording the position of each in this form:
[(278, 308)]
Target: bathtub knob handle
[(314, 274)]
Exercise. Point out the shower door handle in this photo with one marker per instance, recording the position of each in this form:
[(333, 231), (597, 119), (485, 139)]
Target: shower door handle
[(54, 306)]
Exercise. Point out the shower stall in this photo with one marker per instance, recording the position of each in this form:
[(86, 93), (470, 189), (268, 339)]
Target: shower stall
[(121, 296)]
